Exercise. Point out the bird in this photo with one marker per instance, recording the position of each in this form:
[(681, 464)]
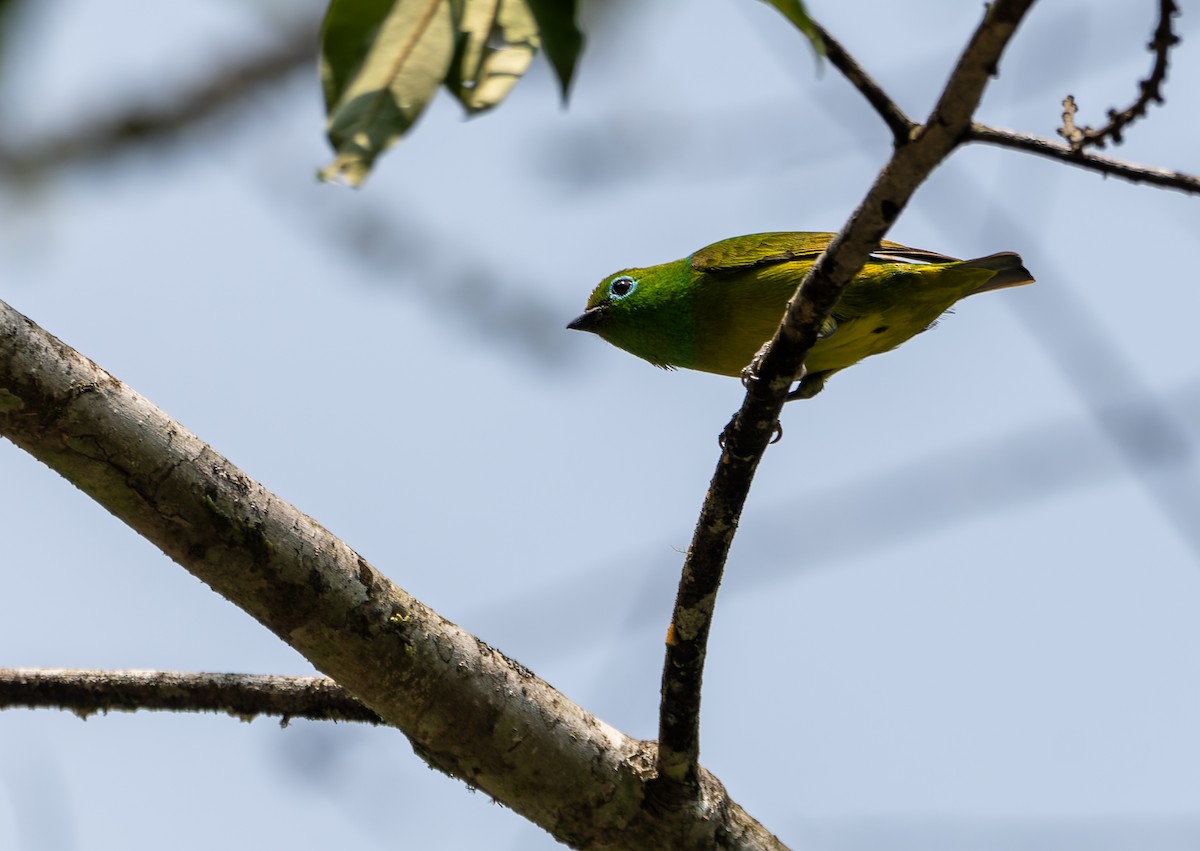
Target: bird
[(714, 310)]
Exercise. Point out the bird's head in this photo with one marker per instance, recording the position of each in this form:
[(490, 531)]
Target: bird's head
[(646, 312)]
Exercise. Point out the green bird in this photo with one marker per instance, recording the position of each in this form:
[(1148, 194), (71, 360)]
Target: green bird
[(714, 310)]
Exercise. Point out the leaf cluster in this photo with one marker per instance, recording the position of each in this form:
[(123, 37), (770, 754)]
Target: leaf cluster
[(383, 60)]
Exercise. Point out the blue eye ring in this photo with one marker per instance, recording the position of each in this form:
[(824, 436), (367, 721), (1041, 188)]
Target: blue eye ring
[(621, 287)]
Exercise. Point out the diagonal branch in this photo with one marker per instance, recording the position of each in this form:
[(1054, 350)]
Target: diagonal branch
[(893, 116), (107, 136), (1132, 172), (1149, 91), (241, 695), (747, 435), (469, 711)]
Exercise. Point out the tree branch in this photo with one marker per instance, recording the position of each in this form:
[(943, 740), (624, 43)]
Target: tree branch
[(747, 435), (1132, 172), (107, 136), (241, 695), (1150, 90), (1164, 38), (468, 710), (893, 116)]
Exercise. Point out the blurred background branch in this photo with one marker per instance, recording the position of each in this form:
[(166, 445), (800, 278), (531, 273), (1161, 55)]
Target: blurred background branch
[(165, 116)]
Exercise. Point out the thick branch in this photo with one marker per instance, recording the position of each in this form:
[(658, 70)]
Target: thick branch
[(241, 695), (1093, 162), (468, 710), (751, 429)]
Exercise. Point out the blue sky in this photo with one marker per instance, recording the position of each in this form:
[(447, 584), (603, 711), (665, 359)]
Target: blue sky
[(957, 613)]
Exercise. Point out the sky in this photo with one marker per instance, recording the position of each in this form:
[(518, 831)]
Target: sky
[(960, 609)]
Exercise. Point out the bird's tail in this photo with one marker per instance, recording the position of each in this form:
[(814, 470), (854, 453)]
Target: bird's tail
[(1008, 268)]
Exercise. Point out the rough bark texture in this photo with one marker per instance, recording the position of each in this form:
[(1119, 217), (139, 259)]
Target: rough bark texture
[(243, 696), (468, 710)]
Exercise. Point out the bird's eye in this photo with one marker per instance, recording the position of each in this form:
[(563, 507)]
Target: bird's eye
[(621, 287)]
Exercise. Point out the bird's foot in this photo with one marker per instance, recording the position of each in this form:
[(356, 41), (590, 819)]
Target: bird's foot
[(750, 372), (807, 389), (810, 385), (775, 437)]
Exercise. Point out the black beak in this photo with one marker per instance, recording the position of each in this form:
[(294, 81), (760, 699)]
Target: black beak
[(589, 320)]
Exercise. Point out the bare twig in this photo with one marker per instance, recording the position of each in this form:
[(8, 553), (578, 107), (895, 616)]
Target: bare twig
[(747, 435), (1150, 91), (241, 695), (900, 124), (1069, 130), (1164, 38), (1132, 172)]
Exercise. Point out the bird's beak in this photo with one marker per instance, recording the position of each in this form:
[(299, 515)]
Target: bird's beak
[(589, 320)]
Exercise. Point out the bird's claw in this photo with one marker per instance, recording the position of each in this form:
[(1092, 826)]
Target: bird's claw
[(776, 435), (805, 389), (725, 432), (750, 372)]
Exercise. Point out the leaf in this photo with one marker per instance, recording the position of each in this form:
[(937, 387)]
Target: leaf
[(381, 62), (561, 38), (794, 11), (496, 43)]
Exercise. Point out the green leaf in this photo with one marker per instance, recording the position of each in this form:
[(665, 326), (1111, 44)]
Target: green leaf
[(561, 38), (496, 43), (381, 62), (794, 11)]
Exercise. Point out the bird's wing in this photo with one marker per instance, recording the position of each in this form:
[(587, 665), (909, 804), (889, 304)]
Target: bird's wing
[(759, 249), (894, 252), (767, 249)]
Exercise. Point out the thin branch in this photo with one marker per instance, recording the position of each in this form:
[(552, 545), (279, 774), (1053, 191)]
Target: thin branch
[(1150, 91), (107, 136), (900, 124), (243, 696), (752, 428), (468, 710), (1164, 38), (1132, 172)]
